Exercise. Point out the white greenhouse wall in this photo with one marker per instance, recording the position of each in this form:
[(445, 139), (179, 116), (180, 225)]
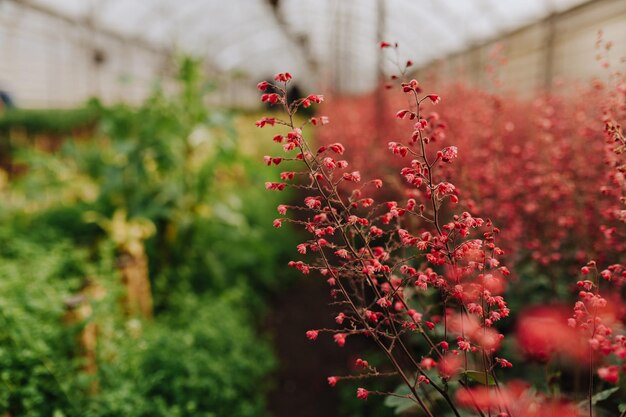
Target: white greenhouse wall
[(538, 57), (48, 61)]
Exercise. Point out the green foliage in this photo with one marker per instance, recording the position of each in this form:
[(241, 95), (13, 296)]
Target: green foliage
[(175, 366), (205, 367), (480, 377), (179, 167), (37, 371), (401, 404), (49, 121)]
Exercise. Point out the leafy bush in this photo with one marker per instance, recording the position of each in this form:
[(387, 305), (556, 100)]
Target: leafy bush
[(212, 365), (50, 121), (36, 348), (179, 167)]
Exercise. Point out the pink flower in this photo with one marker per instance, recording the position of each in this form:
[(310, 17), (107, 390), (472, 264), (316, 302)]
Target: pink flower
[(263, 85), (404, 113), (360, 363), (282, 209), (434, 98), (271, 98), (423, 379), (504, 363), (352, 176), (362, 393), (277, 223), (322, 120), (412, 85), (266, 121), (329, 163), (375, 231), (312, 334), (277, 186), (383, 302), (312, 202), (337, 148), (340, 339), (315, 98), (609, 374), (448, 154), (449, 365), (463, 344), (283, 76), (398, 149), (428, 363), (332, 380)]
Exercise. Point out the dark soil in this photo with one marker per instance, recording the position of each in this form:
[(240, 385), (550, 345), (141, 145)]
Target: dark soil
[(301, 387)]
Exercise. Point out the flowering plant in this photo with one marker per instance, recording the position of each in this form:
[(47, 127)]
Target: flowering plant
[(418, 276)]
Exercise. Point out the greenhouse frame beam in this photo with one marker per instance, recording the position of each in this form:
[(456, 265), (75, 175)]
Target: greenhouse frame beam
[(91, 25), (552, 18), (295, 39)]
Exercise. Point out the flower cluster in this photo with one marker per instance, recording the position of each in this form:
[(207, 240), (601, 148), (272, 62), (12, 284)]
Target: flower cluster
[(415, 266), (535, 165), (382, 259)]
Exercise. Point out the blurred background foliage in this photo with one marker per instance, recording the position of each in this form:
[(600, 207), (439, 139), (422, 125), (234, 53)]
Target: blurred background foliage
[(166, 193)]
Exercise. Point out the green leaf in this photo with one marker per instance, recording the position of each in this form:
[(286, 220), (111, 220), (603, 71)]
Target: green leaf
[(601, 396), (400, 404), (621, 407), (480, 377)]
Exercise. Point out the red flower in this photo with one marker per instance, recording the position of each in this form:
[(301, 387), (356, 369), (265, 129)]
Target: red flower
[(434, 98), (315, 98), (266, 121), (449, 365), (352, 176), (362, 393), (270, 98), (360, 363), (312, 334), (340, 339), (428, 363), (544, 331), (277, 186), (609, 373), (283, 76), (337, 148), (504, 363)]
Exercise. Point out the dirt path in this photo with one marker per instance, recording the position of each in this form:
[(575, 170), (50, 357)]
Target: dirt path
[(302, 389)]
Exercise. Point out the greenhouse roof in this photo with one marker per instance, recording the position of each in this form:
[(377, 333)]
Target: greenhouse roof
[(306, 36)]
